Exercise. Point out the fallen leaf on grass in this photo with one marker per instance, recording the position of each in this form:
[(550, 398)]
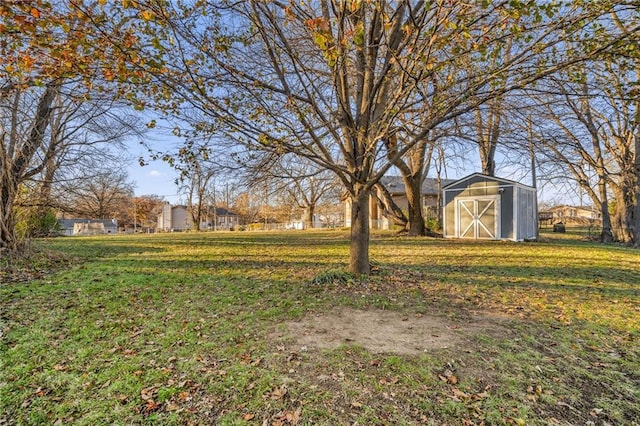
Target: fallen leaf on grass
[(278, 393), (148, 393), (248, 416), (457, 393), (533, 392), (293, 417), (387, 381), (481, 395), (448, 377), (150, 407), (172, 406)]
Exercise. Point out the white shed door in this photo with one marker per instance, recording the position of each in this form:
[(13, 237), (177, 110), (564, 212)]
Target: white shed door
[(477, 218)]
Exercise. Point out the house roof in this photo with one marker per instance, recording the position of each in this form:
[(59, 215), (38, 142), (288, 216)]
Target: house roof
[(69, 223), (487, 177), (395, 185), (564, 206), (221, 211)]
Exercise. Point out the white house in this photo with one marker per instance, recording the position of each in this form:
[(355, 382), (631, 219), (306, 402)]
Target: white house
[(178, 218), (74, 227), (174, 218)]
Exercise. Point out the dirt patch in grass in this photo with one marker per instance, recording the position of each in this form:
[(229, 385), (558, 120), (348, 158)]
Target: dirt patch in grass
[(388, 332)]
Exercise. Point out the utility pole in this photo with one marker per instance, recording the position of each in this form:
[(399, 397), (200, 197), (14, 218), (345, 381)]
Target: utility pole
[(215, 209), (534, 180)]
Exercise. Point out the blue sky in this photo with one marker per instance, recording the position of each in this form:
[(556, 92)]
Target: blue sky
[(158, 178), (155, 178)]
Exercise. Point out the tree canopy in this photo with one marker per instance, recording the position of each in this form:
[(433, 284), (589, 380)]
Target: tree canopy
[(334, 81)]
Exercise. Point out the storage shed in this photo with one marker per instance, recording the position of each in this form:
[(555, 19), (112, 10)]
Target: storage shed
[(487, 207)]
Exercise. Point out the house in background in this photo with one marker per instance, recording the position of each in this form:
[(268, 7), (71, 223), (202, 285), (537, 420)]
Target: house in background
[(174, 218), (395, 186), (178, 218), (487, 207), (75, 227), (570, 215), (224, 219)]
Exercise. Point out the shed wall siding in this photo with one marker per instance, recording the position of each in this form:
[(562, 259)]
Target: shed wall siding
[(517, 207)]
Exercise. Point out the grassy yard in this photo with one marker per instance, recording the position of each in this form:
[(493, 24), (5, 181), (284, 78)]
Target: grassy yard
[(210, 329)]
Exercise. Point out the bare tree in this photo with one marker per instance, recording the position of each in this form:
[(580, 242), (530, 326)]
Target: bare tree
[(196, 184), (145, 210), (21, 136), (293, 180), (331, 81), (46, 49), (98, 196), (589, 128)]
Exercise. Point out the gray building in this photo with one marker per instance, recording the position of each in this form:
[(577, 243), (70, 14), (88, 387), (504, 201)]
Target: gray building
[(174, 218), (395, 186), (487, 207), (178, 218), (71, 227)]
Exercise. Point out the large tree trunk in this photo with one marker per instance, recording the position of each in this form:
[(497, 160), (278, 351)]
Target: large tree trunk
[(14, 165), (413, 185), (623, 216), (606, 236), (390, 209), (8, 239), (359, 248), (413, 168), (197, 219), (310, 212), (636, 210)]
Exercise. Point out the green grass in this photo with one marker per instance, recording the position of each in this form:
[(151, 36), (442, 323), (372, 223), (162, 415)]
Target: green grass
[(179, 329)]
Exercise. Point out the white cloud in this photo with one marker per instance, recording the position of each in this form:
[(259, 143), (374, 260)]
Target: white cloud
[(155, 173)]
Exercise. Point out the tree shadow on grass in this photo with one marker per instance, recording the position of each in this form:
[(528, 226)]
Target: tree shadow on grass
[(610, 281)]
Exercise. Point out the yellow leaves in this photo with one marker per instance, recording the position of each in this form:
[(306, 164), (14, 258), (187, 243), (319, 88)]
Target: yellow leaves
[(318, 24), (34, 12), (27, 62), (323, 38), (147, 15), (431, 63), (534, 392), (288, 13), (108, 74), (358, 36)]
